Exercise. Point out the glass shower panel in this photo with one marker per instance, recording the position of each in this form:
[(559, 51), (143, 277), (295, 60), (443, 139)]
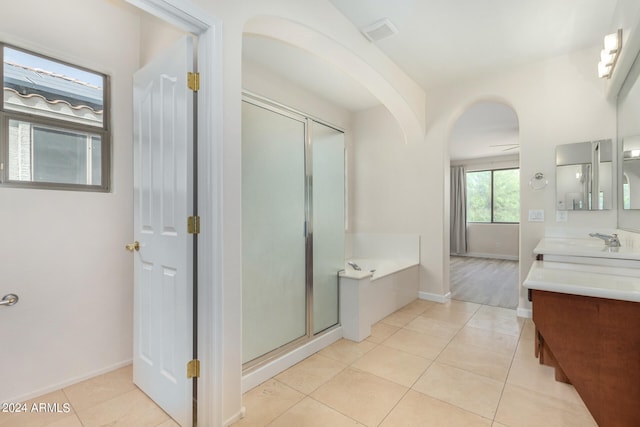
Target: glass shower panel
[(328, 222), (273, 240)]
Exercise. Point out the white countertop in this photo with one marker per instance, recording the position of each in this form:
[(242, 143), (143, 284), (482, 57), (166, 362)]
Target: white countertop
[(587, 280), (585, 247)]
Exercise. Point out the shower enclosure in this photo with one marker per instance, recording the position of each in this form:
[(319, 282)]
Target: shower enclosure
[(292, 226)]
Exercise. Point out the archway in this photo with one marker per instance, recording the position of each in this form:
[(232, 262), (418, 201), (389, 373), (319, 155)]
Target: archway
[(484, 198)]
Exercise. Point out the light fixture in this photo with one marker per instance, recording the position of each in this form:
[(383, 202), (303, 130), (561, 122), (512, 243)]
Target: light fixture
[(609, 55)]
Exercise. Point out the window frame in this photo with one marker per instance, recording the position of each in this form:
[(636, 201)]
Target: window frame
[(104, 132), (492, 195)]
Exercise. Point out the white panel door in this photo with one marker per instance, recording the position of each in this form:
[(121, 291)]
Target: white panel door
[(163, 200)]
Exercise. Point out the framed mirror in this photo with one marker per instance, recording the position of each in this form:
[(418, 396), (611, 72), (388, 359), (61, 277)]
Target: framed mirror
[(629, 151), (584, 176)]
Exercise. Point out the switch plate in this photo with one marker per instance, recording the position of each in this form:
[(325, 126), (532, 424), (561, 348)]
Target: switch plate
[(561, 216), (536, 215)]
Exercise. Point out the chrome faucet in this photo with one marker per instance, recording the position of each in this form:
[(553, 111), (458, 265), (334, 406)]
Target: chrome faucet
[(354, 265), (609, 240)]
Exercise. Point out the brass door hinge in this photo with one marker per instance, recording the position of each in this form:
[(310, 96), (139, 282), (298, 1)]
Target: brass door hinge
[(193, 225), (193, 369), (193, 81)]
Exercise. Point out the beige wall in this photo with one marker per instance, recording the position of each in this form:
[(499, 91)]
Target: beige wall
[(493, 240)]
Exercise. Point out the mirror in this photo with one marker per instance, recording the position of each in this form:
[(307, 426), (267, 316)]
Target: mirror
[(629, 142), (631, 172), (584, 176)]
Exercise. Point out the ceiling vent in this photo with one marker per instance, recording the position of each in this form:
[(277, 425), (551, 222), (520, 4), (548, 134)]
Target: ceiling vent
[(379, 30)]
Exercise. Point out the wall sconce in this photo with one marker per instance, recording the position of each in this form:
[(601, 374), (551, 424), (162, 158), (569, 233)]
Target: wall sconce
[(609, 55)]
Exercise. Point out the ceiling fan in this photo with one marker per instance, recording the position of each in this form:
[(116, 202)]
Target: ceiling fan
[(509, 146)]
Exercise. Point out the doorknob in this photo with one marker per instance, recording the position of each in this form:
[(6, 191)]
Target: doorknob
[(9, 300), (133, 246)]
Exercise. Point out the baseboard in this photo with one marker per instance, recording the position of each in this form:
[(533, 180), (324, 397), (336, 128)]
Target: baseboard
[(527, 313), (435, 297), (490, 256), (276, 366), (69, 382), (237, 417)]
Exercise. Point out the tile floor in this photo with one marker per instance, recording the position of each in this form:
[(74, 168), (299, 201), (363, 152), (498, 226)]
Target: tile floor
[(455, 364), (106, 400)]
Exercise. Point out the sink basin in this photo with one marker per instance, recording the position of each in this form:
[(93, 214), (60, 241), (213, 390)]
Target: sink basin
[(587, 247)]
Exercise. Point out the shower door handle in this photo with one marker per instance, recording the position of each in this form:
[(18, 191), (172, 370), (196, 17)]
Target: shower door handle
[(9, 300)]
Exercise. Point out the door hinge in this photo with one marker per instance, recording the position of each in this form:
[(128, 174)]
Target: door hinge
[(193, 81), (193, 225), (193, 369)]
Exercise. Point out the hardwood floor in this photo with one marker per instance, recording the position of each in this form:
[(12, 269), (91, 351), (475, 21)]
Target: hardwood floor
[(484, 281)]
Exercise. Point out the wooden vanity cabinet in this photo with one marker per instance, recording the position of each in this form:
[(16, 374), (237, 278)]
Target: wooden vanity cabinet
[(594, 344)]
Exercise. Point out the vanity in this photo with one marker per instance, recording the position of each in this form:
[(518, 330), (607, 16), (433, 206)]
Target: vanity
[(586, 309)]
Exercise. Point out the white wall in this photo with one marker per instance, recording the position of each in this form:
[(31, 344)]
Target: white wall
[(558, 101), (318, 27), (63, 252)]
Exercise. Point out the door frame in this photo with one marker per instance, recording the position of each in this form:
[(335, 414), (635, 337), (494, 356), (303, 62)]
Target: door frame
[(191, 18)]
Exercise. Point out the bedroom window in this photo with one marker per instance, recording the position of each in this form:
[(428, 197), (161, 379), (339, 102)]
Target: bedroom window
[(493, 196), (53, 124)]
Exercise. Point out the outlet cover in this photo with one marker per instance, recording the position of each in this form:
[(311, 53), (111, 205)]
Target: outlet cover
[(536, 215), (561, 216)]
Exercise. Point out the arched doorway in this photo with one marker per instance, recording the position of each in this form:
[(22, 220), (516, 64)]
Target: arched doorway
[(485, 200)]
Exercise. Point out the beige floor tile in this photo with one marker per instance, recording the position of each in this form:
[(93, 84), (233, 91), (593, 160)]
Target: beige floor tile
[(445, 313), (417, 306), (520, 407), (32, 414), (311, 373), (169, 423), (418, 410), (417, 343), (528, 373), (346, 351), (399, 318), (72, 421), (525, 349), (130, 409), (311, 413), (503, 343), (456, 305), (479, 360), (497, 321), (268, 401), (438, 328), (362, 396), (496, 424), (528, 330), (381, 331), (469, 391), (392, 364), (101, 388)]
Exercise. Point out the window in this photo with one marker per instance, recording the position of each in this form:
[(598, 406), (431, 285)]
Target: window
[(53, 124), (493, 196)]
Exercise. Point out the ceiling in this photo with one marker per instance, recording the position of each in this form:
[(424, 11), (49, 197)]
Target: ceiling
[(440, 42)]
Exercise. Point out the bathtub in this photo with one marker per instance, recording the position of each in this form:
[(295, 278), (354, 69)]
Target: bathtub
[(379, 288)]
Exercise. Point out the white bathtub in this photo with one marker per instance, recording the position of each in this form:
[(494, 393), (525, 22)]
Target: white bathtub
[(381, 287)]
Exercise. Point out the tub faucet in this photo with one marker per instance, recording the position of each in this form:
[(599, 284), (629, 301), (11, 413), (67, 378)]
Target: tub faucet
[(609, 240), (354, 265)]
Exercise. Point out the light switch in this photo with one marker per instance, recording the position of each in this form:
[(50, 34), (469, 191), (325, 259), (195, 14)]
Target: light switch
[(561, 216), (536, 215)]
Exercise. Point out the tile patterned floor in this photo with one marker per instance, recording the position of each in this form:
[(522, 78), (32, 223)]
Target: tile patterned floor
[(454, 364), (106, 400)]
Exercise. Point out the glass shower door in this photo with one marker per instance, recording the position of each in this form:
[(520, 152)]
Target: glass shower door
[(273, 230), (328, 222)]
